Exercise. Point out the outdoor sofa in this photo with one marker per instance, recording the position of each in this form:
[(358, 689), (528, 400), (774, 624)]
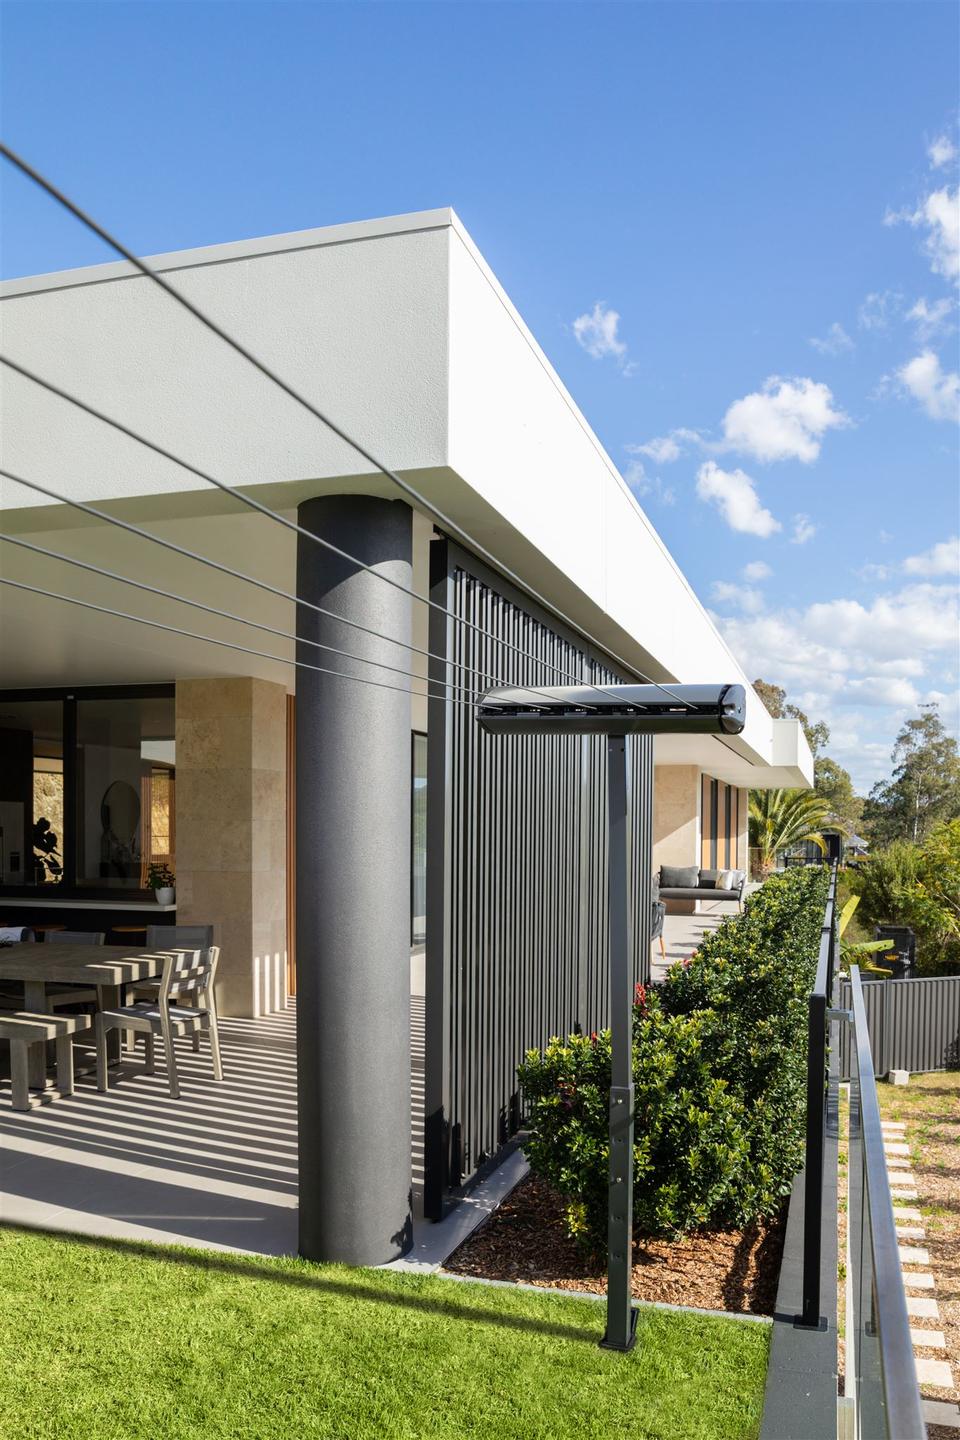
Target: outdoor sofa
[(689, 882)]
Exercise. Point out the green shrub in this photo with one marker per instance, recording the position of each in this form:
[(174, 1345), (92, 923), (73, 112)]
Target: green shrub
[(919, 886), (719, 1058), (753, 975), (884, 881), (934, 901), (689, 1136)]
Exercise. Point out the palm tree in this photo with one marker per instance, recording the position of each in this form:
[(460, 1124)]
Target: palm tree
[(780, 818)]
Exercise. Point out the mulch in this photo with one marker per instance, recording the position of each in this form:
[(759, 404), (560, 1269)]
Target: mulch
[(724, 1270)]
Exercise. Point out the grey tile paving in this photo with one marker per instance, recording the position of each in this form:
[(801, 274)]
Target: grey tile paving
[(218, 1167)]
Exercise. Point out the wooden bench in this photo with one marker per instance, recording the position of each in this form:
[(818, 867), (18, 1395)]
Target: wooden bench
[(25, 1028)]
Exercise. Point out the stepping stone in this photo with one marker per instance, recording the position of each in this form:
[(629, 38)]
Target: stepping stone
[(904, 1212), (894, 1147), (920, 1307), (904, 1194), (934, 1339), (942, 1412), (911, 1232), (898, 1162), (914, 1255), (917, 1282), (893, 1125), (934, 1372)]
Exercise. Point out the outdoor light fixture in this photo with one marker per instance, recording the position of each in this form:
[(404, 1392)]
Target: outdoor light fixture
[(617, 711)]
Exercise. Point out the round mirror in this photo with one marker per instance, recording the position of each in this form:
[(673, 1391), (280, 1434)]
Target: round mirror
[(120, 811)]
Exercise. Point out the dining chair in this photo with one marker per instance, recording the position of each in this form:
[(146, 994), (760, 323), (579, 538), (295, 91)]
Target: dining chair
[(185, 972), (168, 937), (59, 997), (75, 937)]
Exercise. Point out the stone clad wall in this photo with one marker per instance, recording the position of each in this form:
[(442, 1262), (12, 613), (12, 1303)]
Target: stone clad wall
[(676, 822), (231, 836)]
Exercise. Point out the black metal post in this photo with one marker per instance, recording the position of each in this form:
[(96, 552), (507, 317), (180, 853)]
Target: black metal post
[(813, 1172), (821, 997), (621, 1316)]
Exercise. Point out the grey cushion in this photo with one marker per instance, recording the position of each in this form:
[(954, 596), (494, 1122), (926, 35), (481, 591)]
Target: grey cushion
[(679, 877)]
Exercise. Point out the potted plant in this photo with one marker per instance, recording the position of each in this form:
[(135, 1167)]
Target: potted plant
[(161, 881)]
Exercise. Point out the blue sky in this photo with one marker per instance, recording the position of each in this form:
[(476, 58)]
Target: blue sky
[(731, 226)]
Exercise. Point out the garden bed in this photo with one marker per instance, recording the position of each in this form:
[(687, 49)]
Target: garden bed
[(724, 1270)]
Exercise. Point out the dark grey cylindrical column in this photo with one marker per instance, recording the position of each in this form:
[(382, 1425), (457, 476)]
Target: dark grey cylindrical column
[(353, 890)]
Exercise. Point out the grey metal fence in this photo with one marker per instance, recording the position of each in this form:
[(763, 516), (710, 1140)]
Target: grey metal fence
[(516, 947), (880, 1373), (914, 1024)]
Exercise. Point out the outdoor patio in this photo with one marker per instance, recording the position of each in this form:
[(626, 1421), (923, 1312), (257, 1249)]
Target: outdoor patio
[(216, 1168)]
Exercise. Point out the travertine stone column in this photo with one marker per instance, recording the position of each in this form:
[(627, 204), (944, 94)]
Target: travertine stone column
[(231, 815), (676, 822)]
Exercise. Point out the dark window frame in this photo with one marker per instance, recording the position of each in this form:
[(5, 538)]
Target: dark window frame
[(415, 735), (69, 697)]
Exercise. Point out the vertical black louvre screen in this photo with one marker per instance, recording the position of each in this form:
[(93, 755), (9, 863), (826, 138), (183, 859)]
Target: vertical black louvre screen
[(516, 868)]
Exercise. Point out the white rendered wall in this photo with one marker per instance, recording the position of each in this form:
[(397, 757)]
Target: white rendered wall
[(360, 327)]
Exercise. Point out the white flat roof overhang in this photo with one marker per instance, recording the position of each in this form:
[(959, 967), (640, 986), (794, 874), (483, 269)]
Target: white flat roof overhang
[(397, 329)]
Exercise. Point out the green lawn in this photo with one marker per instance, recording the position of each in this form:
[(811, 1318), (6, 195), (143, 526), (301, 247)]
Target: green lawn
[(117, 1341)]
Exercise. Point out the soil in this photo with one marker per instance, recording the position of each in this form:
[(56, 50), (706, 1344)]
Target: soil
[(525, 1240)]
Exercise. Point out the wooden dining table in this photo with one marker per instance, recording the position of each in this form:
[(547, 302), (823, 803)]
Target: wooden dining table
[(105, 968)]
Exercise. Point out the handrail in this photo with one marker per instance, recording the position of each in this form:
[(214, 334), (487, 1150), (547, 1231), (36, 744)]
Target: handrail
[(818, 1004), (881, 1339)]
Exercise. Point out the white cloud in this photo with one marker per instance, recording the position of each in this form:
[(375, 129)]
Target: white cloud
[(643, 484), (733, 493), (803, 529), (882, 690), (757, 570), (938, 391), (859, 667), (872, 571), (940, 559), (835, 342), (941, 151), (785, 420), (663, 449), (747, 599), (939, 215), (930, 321), (920, 619), (878, 309), (596, 331)]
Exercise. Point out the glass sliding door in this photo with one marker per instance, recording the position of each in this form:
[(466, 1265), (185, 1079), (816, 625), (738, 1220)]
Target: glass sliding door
[(31, 794), (125, 790)]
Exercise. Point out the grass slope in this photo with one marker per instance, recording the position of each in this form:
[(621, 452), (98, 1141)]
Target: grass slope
[(116, 1341)]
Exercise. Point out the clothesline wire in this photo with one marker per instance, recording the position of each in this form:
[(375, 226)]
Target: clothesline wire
[(445, 520)]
